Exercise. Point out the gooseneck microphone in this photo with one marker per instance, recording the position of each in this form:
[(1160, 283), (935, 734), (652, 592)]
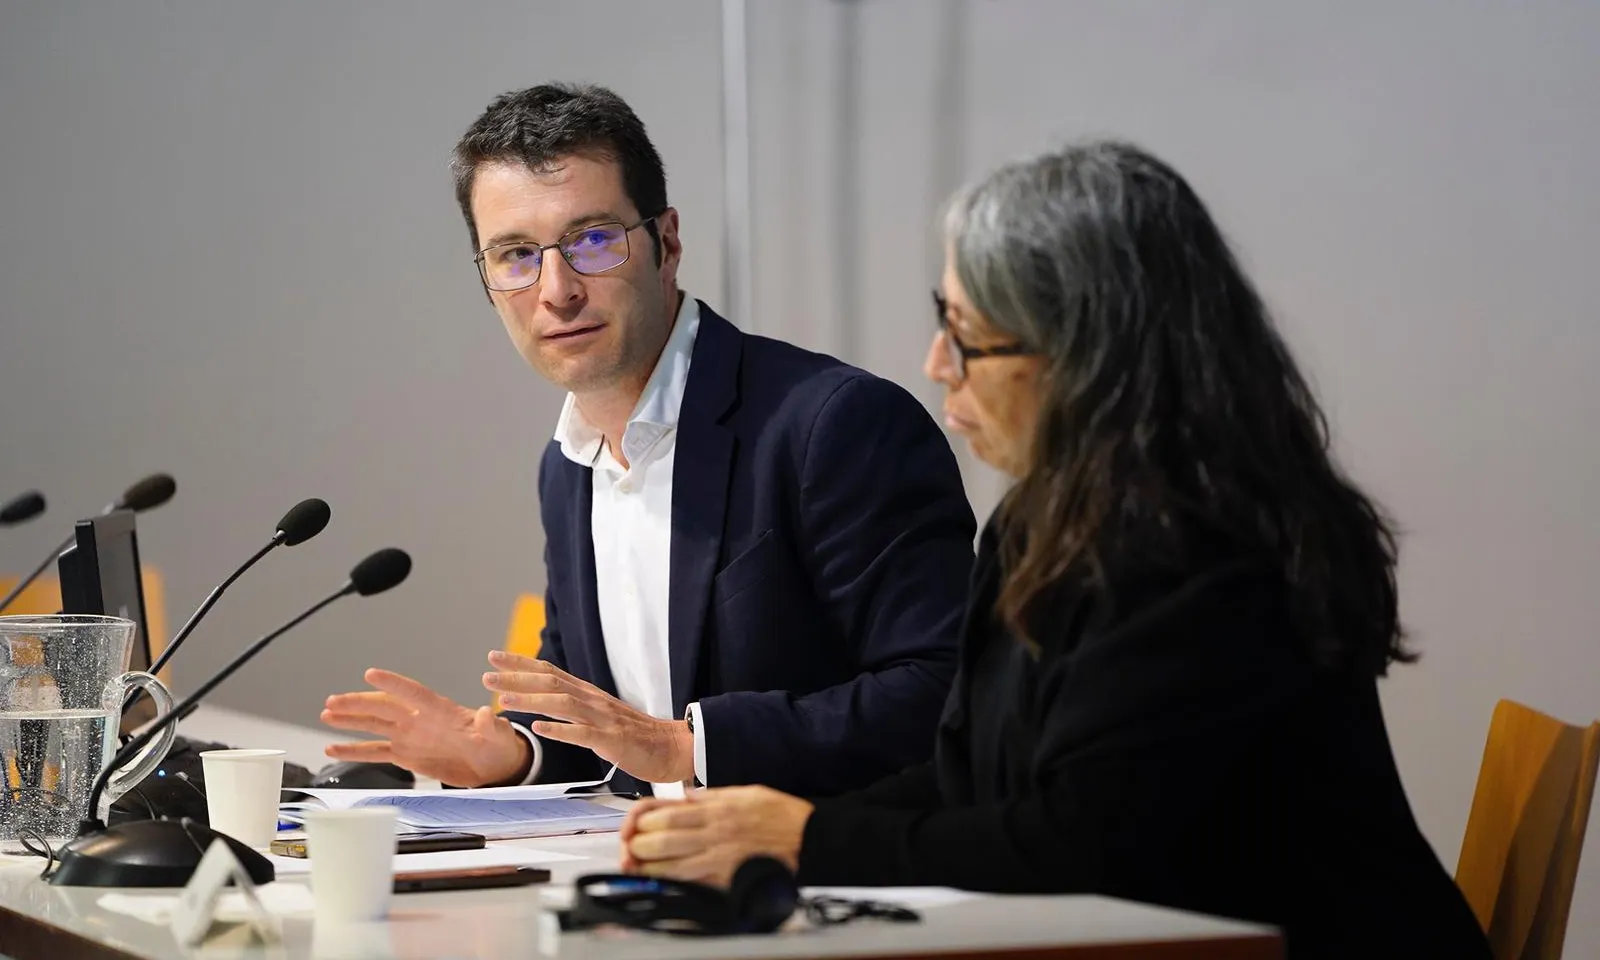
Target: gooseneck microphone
[(147, 494), (22, 509), (304, 520), (164, 853)]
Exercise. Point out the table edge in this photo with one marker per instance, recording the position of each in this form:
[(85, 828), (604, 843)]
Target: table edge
[(26, 937)]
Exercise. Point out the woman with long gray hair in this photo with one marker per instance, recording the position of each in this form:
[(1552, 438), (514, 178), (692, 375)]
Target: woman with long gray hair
[(1179, 615)]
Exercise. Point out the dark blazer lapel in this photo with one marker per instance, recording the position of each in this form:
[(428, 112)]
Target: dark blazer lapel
[(702, 462), (589, 636)]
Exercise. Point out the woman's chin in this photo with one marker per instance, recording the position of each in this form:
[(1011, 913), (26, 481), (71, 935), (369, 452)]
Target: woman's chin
[(987, 454), (982, 451)]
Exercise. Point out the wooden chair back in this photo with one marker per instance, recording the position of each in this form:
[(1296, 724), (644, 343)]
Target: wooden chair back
[(1519, 858)]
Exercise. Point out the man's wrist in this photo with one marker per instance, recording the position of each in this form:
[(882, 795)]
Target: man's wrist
[(527, 757), (682, 751), (697, 745)]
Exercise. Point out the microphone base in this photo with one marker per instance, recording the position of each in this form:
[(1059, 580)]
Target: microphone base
[(149, 853)]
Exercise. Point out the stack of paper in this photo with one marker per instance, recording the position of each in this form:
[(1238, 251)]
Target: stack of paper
[(539, 810), (496, 855)]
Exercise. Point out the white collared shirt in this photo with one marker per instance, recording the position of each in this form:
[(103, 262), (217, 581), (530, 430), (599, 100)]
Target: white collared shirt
[(631, 524)]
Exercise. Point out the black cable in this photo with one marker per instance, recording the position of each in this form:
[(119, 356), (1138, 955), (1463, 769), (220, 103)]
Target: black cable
[(27, 836), (187, 824), (149, 807), (184, 776)]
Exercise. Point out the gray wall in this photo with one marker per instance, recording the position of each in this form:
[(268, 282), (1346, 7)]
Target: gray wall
[(228, 249)]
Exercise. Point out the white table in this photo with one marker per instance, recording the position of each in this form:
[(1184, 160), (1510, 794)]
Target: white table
[(41, 922)]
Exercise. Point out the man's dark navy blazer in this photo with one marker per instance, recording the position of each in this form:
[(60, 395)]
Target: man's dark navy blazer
[(821, 547)]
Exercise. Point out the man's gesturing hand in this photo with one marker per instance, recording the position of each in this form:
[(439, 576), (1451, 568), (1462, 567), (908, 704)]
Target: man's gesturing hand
[(649, 748), (427, 733)]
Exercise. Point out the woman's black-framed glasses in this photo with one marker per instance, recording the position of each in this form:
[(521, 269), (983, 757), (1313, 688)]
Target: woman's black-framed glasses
[(589, 249), (959, 352)]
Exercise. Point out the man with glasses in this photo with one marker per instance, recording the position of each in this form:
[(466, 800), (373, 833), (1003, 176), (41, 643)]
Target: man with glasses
[(756, 556)]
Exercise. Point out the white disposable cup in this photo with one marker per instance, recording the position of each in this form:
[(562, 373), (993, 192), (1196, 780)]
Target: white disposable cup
[(352, 862), (242, 793)]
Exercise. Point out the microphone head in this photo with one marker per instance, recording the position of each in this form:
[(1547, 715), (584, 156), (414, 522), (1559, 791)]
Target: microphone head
[(25, 507), (380, 571), (304, 520), (148, 493)]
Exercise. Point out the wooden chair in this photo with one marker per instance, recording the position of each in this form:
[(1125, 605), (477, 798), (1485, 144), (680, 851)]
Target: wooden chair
[(44, 596), (524, 634), (1519, 858)]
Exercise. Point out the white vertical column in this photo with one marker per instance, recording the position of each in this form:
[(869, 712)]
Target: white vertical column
[(738, 234), (846, 186)]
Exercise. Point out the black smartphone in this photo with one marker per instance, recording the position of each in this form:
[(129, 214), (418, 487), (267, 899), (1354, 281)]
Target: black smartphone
[(430, 842), (404, 843), (475, 878)]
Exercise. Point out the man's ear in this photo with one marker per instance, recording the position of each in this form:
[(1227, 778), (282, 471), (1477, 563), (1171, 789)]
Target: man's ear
[(669, 247)]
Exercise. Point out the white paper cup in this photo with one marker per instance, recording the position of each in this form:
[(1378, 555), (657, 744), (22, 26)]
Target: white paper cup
[(242, 793), (352, 862)]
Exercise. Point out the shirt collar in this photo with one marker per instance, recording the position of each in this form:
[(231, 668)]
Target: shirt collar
[(656, 413)]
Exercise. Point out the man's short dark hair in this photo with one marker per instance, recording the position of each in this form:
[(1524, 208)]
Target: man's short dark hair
[(539, 126)]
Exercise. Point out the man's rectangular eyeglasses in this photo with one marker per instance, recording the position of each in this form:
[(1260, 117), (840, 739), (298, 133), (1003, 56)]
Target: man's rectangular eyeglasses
[(959, 352), (590, 249)]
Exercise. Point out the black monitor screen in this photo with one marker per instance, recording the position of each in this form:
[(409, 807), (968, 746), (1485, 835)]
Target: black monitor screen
[(100, 574)]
